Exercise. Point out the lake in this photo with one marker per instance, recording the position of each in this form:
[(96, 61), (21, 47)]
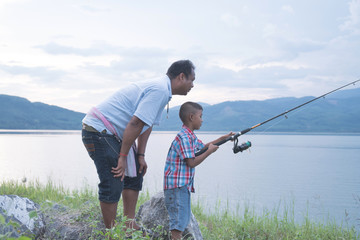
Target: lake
[(317, 174)]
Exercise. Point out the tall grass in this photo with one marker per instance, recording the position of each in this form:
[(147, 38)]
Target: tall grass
[(271, 224), (218, 224), (52, 191)]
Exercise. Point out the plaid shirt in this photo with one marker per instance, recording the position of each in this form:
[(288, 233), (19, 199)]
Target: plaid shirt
[(177, 173)]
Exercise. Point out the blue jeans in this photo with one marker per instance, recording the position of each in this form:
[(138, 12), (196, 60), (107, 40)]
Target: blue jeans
[(178, 205), (104, 151)]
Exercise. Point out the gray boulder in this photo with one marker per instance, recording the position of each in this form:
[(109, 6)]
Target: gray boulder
[(63, 223), (153, 214), (21, 217)]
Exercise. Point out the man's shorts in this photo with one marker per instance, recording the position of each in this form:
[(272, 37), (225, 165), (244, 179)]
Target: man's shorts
[(177, 202), (104, 150)]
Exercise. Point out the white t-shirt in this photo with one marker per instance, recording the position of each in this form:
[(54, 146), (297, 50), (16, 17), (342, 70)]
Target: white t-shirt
[(145, 100)]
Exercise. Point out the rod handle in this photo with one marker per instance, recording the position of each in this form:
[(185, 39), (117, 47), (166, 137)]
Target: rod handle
[(218, 144)]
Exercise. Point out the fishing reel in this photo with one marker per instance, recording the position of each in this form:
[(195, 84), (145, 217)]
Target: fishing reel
[(239, 148)]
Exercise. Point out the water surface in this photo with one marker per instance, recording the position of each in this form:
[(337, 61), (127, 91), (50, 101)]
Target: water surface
[(316, 174)]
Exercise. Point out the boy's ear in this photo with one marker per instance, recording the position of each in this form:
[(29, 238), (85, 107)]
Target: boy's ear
[(191, 117)]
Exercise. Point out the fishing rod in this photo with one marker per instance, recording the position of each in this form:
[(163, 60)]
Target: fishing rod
[(239, 148)]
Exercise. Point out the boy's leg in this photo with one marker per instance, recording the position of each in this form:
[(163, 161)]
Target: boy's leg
[(108, 211), (177, 202)]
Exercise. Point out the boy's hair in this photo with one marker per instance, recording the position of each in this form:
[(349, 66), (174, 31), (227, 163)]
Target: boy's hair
[(188, 108), (181, 66)]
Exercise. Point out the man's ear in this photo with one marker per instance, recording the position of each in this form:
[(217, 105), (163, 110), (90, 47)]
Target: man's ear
[(182, 76)]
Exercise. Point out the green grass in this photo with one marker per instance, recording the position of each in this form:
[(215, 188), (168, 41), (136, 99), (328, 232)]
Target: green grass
[(218, 224), (275, 224)]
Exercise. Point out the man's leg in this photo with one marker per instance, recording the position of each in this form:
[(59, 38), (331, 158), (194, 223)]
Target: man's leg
[(130, 198), (108, 211)]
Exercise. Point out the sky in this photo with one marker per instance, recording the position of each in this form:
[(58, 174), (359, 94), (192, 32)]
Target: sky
[(76, 53)]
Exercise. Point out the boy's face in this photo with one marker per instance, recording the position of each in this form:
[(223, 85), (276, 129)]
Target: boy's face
[(197, 120)]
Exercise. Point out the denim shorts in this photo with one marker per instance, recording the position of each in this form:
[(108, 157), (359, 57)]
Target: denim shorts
[(177, 202), (104, 151)]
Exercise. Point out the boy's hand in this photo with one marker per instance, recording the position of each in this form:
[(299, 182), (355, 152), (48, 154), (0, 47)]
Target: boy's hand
[(228, 135), (212, 148)]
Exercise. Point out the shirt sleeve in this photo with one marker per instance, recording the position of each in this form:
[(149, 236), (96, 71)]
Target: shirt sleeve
[(150, 106), (199, 145), (187, 149)]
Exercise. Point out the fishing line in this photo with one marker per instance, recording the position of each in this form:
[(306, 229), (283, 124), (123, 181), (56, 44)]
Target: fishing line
[(286, 117), (239, 148)]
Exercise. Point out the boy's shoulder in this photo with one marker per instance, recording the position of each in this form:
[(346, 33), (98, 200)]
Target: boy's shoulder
[(185, 132)]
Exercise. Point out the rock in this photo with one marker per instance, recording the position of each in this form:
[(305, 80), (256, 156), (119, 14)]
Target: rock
[(59, 222), (153, 213), (64, 223), (21, 217)]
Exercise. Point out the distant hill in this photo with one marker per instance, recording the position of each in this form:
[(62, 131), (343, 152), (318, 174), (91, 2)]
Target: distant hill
[(338, 112), (20, 113)]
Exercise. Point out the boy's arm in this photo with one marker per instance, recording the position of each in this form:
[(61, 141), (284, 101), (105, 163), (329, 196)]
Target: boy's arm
[(193, 162), (216, 142), (220, 139)]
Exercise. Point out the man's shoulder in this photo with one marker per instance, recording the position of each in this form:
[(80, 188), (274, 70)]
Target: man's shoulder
[(158, 82)]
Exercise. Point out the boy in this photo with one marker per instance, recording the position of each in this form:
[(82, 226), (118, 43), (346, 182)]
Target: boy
[(180, 167)]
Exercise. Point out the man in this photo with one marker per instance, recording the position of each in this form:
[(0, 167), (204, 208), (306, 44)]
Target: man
[(111, 129)]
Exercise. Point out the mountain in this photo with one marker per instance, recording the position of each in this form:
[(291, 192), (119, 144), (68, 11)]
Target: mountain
[(337, 112), (19, 113)]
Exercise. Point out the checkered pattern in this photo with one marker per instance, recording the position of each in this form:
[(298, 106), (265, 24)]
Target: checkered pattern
[(177, 173)]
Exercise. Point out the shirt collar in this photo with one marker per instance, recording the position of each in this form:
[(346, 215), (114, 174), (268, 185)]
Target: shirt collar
[(187, 129)]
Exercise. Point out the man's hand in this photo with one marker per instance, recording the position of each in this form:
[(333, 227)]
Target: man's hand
[(143, 165), (119, 170)]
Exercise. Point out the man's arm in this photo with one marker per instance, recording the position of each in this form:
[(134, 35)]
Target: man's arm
[(132, 131), (142, 141)]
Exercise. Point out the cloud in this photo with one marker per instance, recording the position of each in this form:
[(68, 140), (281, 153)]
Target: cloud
[(93, 9), (57, 49), (42, 74), (352, 22), (230, 20), (287, 8), (297, 46), (3, 3), (270, 49), (101, 49), (259, 76)]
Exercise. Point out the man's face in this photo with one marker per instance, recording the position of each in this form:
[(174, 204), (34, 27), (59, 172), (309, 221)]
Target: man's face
[(187, 82)]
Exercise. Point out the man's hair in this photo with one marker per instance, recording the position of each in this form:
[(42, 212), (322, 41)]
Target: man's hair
[(181, 66), (188, 108)]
